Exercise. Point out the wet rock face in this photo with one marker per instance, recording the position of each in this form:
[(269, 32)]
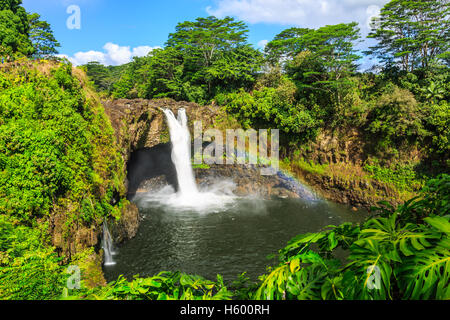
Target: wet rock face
[(331, 147), (248, 181), (349, 145), (126, 228), (140, 123), (70, 241), (78, 236), (350, 192)]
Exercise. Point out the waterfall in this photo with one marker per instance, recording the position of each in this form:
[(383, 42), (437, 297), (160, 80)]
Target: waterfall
[(181, 152), (188, 196), (107, 245)]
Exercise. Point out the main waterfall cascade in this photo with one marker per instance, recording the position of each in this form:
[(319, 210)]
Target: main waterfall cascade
[(181, 152), (188, 197)]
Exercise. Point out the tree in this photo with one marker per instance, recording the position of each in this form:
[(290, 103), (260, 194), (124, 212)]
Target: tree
[(286, 45), (323, 60), (215, 53), (42, 38), (201, 59), (396, 121), (100, 75), (332, 46), (160, 74), (274, 108), (411, 33), (14, 30), (205, 38), (235, 69)]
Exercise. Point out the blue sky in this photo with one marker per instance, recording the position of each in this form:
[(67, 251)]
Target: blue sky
[(113, 31)]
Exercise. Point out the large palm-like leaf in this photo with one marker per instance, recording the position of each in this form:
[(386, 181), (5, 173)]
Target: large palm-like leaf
[(301, 278), (398, 239), (426, 273), (341, 236), (367, 256)]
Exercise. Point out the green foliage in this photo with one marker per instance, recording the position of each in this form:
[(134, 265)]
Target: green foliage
[(58, 154), (310, 167), (318, 65), (213, 50), (274, 108), (201, 59), (104, 78), (319, 61), (160, 75), (428, 86), (38, 164), (331, 45), (14, 30), (435, 201), (42, 38), (411, 33), (437, 124), (28, 269), (286, 45), (57, 148), (402, 176), (399, 117), (201, 166), (411, 256), (163, 286), (23, 34), (122, 88), (308, 81), (49, 135), (407, 247), (395, 120)]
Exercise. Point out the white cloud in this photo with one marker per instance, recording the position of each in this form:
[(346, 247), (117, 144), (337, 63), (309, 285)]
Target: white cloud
[(263, 43), (117, 54), (113, 54), (305, 13), (142, 51)]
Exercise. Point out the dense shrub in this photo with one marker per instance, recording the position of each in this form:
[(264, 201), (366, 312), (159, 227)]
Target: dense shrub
[(274, 108), (437, 124), (404, 177), (29, 270), (395, 120), (50, 135), (58, 155), (163, 286)]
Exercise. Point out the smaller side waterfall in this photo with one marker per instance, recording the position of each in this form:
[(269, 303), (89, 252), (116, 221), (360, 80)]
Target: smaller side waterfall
[(107, 245)]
